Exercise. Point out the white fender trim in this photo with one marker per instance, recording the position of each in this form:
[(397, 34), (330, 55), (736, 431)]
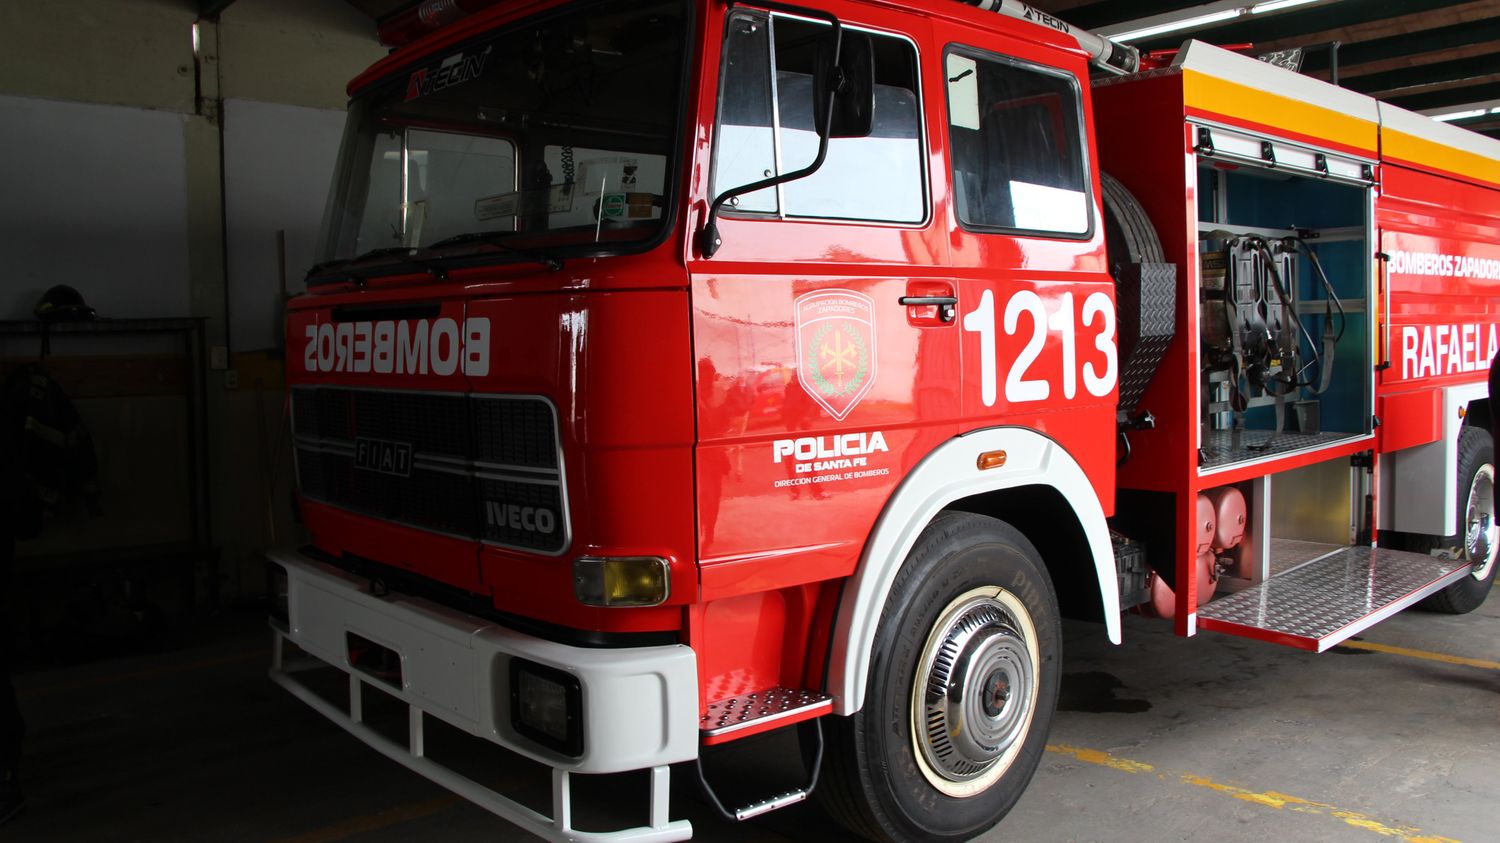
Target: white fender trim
[(947, 474), (1416, 484)]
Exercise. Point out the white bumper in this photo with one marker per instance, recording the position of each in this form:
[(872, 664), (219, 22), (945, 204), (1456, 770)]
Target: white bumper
[(640, 705)]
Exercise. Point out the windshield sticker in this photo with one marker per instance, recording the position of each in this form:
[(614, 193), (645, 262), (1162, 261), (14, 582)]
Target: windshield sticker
[(559, 201), (836, 348), (495, 207), (453, 70)]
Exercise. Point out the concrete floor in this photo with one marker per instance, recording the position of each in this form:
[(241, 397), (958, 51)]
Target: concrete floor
[(1161, 739)]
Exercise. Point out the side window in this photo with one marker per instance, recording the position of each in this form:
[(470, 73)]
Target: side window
[(766, 127), (1018, 161)]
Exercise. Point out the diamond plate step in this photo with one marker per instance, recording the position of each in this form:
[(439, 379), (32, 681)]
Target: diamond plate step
[(1317, 605), (761, 711)]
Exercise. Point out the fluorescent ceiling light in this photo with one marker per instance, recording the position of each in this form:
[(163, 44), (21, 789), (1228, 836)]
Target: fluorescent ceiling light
[(1277, 5), (1461, 115), (1174, 26)]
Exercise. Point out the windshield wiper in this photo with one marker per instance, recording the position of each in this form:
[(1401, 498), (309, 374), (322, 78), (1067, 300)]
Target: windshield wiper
[(493, 239), (406, 255)]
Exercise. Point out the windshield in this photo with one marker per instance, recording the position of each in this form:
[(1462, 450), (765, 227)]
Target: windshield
[(558, 132)]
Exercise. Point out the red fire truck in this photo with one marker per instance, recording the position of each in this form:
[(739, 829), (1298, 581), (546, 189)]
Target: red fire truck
[(682, 371)]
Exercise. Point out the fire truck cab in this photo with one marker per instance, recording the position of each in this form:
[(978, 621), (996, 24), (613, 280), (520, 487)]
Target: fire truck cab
[(683, 371)]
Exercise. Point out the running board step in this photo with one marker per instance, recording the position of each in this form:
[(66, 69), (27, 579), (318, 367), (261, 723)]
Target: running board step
[(1317, 605), (761, 711), (771, 803)]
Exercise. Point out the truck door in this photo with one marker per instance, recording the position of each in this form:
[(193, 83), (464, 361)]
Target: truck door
[(1037, 308), (816, 386)]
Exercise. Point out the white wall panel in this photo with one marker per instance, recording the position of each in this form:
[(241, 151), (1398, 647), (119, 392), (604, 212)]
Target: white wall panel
[(278, 163), (94, 196)]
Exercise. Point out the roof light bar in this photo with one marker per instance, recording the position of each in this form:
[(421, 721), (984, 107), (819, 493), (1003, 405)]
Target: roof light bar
[(1464, 115), (1197, 17), (1176, 25), (1277, 5)]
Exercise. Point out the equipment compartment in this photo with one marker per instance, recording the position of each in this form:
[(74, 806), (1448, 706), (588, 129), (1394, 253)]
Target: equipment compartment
[(1284, 293)]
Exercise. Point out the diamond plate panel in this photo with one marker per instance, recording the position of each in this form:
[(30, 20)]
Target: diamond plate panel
[(1287, 554), (1147, 301), (1224, 447), (1325, 601), (736, 713)]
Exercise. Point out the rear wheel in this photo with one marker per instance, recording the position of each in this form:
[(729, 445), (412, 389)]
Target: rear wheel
[(1478, 537), (962, 686)]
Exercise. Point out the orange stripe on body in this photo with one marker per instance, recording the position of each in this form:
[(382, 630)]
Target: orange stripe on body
[(1412, 151), (1294, 118)]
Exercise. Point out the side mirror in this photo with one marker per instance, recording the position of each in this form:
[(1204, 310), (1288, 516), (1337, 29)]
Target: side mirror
[(848, 87)]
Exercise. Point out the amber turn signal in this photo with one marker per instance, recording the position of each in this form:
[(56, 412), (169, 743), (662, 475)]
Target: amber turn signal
[(617, 581), (991, 459)]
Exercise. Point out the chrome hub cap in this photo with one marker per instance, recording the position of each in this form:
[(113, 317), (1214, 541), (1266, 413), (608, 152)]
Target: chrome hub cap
[(975, 691), (1480, 532)]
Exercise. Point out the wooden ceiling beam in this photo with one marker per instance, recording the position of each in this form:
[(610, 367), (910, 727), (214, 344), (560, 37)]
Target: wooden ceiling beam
[(1433, 73), (1451, 98), (1432, 40), (1297, 24)]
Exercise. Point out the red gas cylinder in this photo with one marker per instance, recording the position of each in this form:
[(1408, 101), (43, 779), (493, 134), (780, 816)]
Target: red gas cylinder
[(1164, 599), (1219, 525), (1206, 527), (1230, 514)]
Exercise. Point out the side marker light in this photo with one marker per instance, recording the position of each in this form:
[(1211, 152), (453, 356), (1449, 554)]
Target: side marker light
[(991, 459)]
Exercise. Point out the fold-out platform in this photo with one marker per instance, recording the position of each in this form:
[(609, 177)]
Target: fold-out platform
[(1317, 605)]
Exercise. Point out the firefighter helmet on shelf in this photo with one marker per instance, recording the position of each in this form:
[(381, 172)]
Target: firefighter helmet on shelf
[(63, 304)]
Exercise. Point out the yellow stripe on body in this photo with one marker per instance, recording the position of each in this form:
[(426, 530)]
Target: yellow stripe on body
[(1267, 799), (1402, 147), (1233, 100)]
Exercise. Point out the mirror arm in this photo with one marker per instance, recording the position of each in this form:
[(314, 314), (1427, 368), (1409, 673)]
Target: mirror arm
[(709, 239)]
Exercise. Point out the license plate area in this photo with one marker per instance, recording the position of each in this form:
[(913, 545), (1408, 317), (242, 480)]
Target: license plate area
[(374, 660)]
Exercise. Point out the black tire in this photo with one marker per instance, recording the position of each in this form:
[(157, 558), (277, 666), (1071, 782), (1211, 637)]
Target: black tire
[(983, 583), (1129, 236), (1477, 536)]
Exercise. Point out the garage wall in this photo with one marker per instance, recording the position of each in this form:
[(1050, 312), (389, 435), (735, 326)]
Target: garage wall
[(111, 178), (278, 160), (95, 197)]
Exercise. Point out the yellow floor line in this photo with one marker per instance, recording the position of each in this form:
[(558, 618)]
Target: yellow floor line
[(1103, 759), (1421, 654), (263, 654), (1267, 799), (373, 822)]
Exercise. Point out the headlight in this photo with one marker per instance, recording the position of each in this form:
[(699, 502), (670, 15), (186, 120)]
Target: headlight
[(546, 705)]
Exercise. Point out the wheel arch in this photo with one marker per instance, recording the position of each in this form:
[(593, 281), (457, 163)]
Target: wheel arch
[(949, 478), (1043, 516)]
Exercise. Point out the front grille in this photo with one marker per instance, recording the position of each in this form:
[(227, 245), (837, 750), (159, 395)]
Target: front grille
[(434, 423), (482, 467)]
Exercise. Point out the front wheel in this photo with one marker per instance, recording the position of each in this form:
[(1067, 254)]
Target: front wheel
[(962, 686)]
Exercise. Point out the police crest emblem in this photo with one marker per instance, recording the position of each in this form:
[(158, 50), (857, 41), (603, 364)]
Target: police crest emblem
[(836, 348)]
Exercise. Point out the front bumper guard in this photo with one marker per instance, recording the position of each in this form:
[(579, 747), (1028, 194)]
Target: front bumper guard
[(455, 667)]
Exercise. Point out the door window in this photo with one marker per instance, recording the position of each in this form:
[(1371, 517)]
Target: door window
[(766, 127), (1017, 146)]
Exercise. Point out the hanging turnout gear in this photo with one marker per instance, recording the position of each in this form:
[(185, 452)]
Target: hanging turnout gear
[(55, 467)]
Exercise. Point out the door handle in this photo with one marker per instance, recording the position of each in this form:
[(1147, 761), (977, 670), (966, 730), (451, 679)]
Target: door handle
[(944, 304)]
